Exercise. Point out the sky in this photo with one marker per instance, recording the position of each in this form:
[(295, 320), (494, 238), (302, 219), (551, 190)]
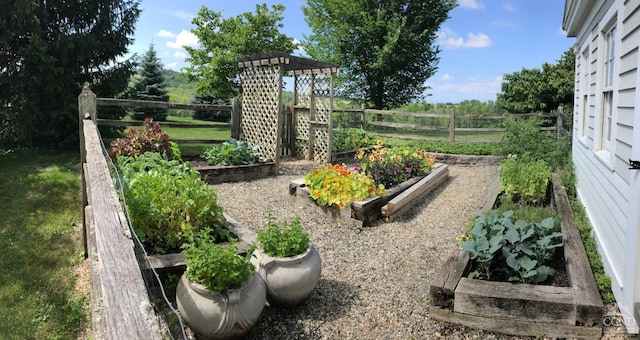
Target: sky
[(480, 42)]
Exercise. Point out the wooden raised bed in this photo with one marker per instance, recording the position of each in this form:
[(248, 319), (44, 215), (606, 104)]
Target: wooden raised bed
[(215, 174), (524, 309), (364, 213)]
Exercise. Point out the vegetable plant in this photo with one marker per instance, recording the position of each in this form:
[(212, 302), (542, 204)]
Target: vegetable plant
[(138, 141), (351, 139), (216, 267), (524, 181), (232, 152), (519, 250), (286, 240)]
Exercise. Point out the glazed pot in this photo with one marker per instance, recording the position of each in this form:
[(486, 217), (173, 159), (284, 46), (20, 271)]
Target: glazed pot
[(289, 280), (229, 314)]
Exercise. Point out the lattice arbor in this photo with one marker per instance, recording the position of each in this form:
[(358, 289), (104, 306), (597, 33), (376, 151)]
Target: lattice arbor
[(264, 121)]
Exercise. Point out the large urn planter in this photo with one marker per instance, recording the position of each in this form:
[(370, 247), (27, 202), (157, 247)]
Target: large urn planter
[(573, 311), (398, 199), (289, 280), (229, 314)]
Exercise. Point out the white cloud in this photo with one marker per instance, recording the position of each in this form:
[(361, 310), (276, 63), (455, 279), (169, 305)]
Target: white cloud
[(508, 7), (447, 77), (474, 87), (184, 38), (179, 54), (184, 15), (450, 40), (470, 4), (165, 34), (172, 65), (502, 23)]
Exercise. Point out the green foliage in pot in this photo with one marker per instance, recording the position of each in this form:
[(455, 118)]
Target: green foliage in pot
[(286, 240), (216, 267), (526, 180), (165, 198), (519, 251), (232, 152)]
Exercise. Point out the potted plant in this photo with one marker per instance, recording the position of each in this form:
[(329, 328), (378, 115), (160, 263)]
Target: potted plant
[(287, 261), (220, 296)]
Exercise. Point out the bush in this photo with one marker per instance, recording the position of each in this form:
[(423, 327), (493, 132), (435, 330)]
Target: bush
[(138, 141), (524, 139), (351, 139)]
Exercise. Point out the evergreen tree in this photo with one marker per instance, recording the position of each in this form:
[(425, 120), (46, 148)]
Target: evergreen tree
[(49, 49), (149, 85)]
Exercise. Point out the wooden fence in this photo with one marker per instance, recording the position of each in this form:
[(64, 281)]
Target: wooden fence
[(120, 303), (234, 109), (450, 127)]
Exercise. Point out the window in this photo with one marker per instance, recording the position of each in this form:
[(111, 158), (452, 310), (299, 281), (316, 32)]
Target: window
[(608, 78)]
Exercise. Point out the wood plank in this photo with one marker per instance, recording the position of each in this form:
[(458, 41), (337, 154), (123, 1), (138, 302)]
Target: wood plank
[(517, 302), (589, 303), (522, 328), (128, 313), (442, 287), (124, 123), (159, 104), (215, 174), (409, 197)]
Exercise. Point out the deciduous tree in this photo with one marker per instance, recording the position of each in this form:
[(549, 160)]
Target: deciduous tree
[(49, 49), (213, 64), (385, 49)]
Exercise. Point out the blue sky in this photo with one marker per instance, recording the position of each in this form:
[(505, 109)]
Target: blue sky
[(480, 42)]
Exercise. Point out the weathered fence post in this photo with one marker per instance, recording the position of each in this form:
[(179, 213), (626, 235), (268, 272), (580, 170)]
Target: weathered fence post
[(87, 108), (452, 125), (363, 116), (236, 117), (559, 122)]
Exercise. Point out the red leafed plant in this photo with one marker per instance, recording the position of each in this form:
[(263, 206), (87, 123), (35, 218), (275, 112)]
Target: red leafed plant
[(150, 138)]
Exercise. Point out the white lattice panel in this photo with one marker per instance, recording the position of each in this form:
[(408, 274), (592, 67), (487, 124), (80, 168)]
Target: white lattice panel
[(314, 92)]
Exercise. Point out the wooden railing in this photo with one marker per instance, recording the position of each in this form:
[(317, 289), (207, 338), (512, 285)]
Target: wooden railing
[(120, 303), (450, 122)]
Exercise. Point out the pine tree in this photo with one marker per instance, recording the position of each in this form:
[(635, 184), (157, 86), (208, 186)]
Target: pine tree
[(149, 85), (50, 49)]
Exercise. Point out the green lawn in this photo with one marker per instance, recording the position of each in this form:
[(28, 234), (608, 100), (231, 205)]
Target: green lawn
[(40, 245)]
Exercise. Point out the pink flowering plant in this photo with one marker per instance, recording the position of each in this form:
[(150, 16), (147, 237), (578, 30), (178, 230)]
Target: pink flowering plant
[(391, 166), (338, 185)]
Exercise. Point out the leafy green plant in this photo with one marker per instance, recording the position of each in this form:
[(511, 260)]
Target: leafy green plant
[(165, 198), (232, 152), (524, 139), (283, 241), (138, 141), (524, 247), (351, 139), (337, 185), (524, 181), (216, 267), (391, 166)]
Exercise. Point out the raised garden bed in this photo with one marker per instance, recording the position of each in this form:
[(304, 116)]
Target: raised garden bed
[(524, 309), (215, 174), (398, 200)]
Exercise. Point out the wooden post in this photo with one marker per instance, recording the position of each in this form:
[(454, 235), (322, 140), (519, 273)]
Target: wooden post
[(236, 118), (312, 118), (87, 108), (363, 121), (559, 125), (452, 125)]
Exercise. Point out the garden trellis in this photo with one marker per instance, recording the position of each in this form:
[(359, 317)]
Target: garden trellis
[(309, 131)]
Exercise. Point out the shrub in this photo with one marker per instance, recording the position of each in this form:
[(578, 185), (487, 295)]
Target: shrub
[(351, 139), (524, 138), (283, 241), (519, 250), (138, 141), (232, 152)]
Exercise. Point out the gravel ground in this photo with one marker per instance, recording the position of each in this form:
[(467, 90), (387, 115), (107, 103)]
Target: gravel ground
[(375, 280)]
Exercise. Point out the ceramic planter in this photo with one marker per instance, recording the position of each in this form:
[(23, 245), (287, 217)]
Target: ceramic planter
[(226, 315), (289, 280)]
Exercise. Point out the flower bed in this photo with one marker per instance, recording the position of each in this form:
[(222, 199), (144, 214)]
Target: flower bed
[(524, 309), (362, 213), (216, 174)]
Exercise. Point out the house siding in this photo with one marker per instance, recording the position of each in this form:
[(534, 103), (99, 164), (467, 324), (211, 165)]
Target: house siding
[(605, 185)]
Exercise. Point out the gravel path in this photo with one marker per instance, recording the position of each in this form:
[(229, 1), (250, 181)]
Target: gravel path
[(375, 280)]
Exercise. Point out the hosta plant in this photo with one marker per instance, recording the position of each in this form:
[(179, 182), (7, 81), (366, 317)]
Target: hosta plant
[(391, 166), (518, 251), (337, 185), (284, 240), (232, 152)]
